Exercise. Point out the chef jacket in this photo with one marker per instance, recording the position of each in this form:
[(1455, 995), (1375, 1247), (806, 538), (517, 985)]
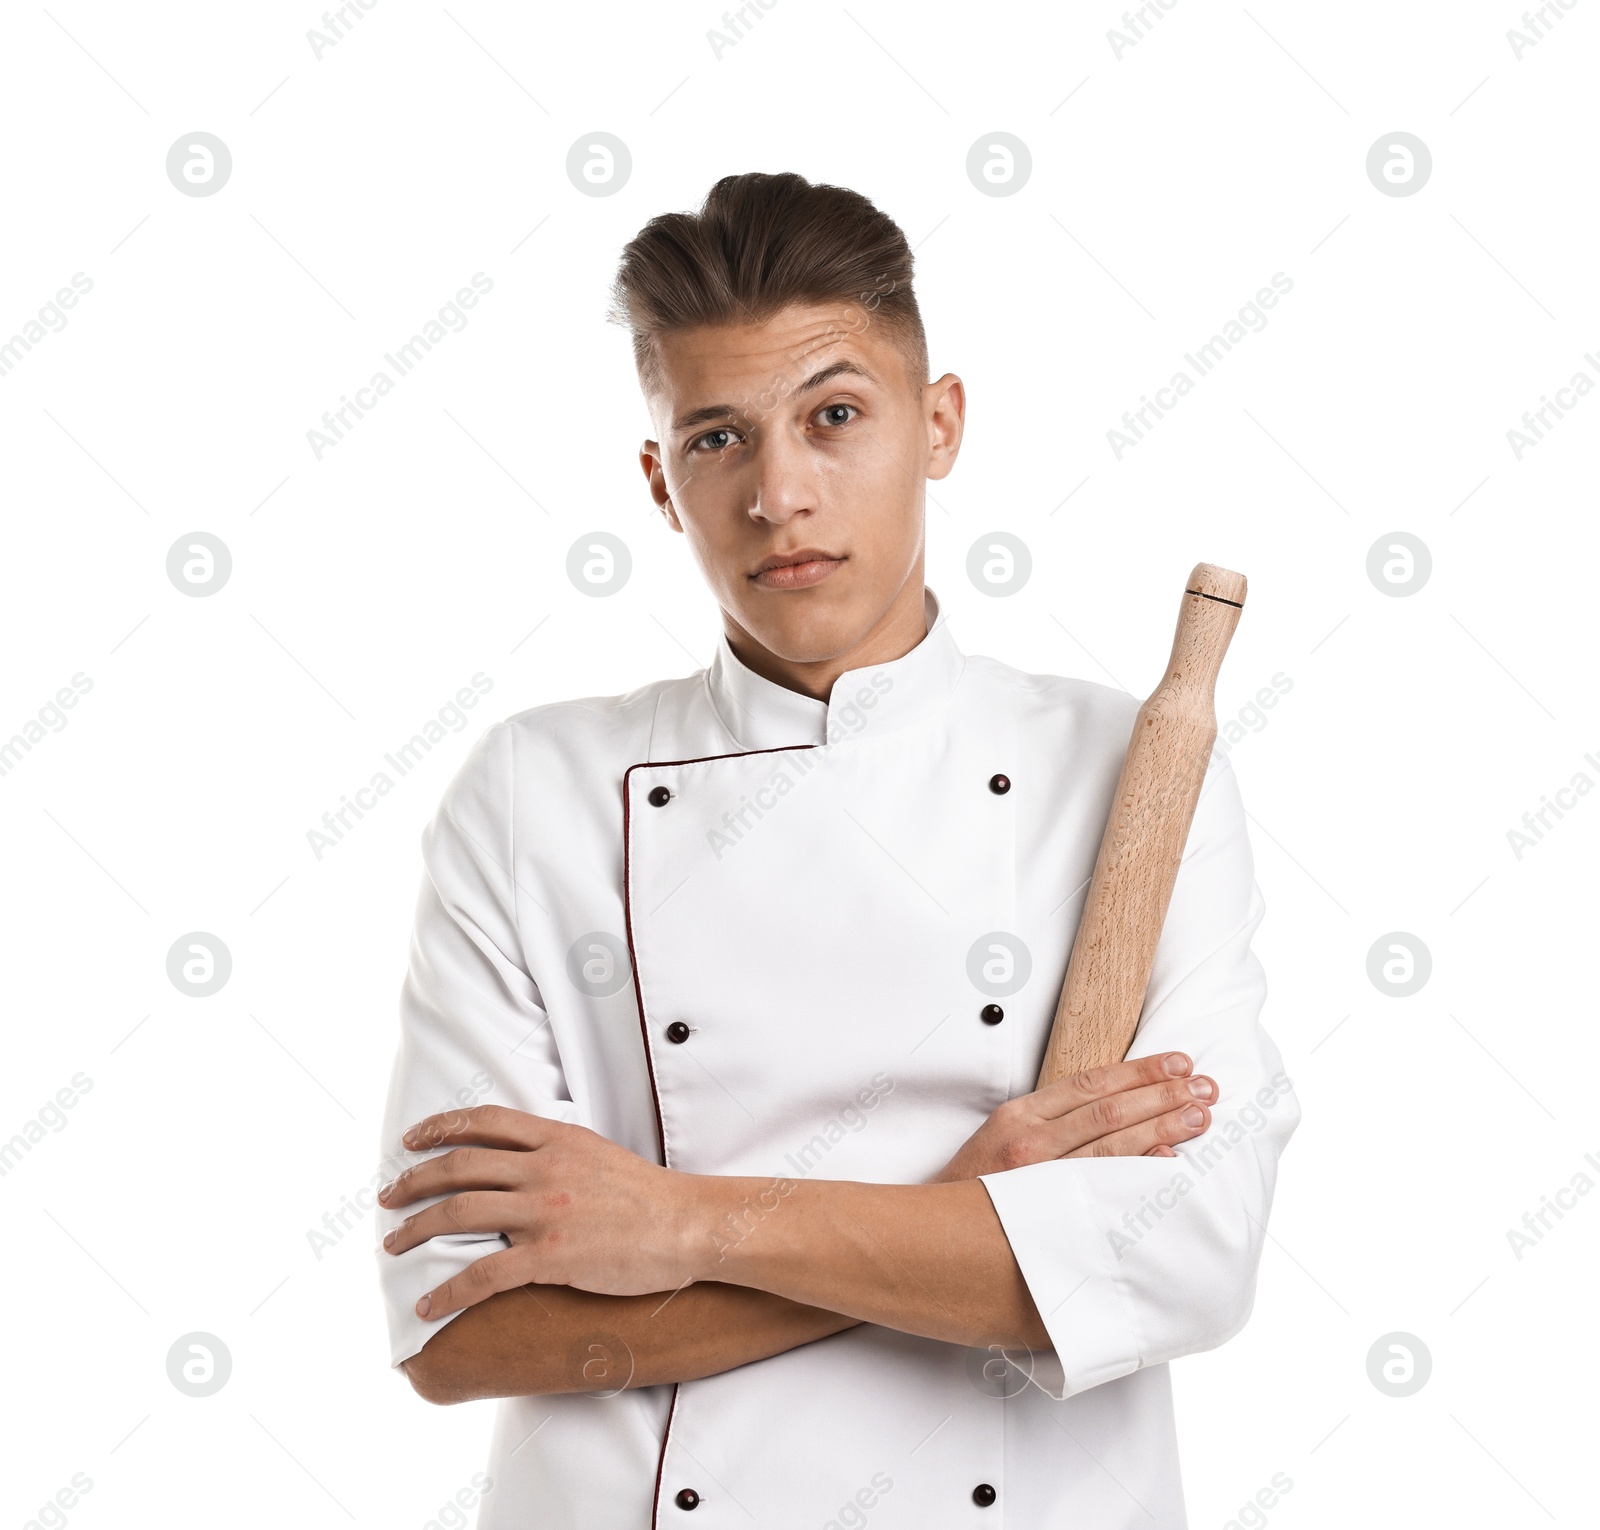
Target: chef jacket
[(742, 931)]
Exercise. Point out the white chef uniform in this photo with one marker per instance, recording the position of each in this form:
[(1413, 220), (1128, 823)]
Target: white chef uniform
[(742, 931)]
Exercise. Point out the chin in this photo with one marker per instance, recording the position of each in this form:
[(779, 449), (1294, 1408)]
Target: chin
[(803, 634)]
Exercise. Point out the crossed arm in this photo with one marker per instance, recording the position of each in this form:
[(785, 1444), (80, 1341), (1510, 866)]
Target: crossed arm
[(623, 1273)]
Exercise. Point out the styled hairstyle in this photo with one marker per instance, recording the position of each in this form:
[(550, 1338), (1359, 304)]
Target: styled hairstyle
[(758, 244)]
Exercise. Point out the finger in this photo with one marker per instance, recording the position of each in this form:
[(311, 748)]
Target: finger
[(491, 1125), (1136, 1141), (1068, 1094), (469, 1168), (1116, 1112), (500, 1271), (474, 1211)]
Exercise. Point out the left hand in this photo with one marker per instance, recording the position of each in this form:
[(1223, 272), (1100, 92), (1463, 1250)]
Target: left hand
[(579, 1210), (1123, 1110)]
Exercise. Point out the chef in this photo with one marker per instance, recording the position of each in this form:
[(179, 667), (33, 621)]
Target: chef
[(759, 1219)]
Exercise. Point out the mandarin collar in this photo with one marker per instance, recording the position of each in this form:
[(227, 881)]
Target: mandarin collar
[(760, 714)]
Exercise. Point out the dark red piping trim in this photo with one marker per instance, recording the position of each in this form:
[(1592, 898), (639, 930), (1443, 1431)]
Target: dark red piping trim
[(644, 1030), (627, 909), (661, 1464)]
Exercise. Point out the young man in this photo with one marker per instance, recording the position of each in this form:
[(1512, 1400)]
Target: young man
[(743, 980)]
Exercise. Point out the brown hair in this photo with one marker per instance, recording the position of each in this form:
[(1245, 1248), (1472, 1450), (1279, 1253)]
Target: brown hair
[(758, 244)]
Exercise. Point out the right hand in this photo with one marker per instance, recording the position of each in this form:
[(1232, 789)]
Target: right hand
[(1127, 1110)]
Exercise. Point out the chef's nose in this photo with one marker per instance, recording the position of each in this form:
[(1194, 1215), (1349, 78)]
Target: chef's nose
[(785, 485)]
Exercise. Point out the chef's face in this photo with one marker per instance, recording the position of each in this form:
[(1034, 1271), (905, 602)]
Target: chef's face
[(794, 455)]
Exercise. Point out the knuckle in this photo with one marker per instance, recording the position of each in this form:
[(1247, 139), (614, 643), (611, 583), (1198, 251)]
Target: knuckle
[(1093, 1080), (1113, 1111), (1019, 1151)]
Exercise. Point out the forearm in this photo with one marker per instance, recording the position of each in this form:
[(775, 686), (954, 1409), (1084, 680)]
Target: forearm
[(761, 1265), (931, 1260), (537, 1339)]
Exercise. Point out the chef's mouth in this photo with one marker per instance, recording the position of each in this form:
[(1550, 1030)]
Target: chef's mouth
[(797, 570)]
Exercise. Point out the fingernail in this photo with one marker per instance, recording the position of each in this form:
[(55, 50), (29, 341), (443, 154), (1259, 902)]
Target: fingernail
[(383, 1194), (1193, 1116), (423, 1306), (1177, 1064), (1200, 1088), (411, 1139), (390, 1236)]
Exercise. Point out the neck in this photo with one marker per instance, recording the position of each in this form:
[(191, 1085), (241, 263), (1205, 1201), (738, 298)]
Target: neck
[(901, 627)]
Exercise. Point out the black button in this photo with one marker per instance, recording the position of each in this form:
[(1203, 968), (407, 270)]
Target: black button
[(991, 1014), (983, 1495), (689, 1499), (660, 797), (678, 1031), (999, 785)]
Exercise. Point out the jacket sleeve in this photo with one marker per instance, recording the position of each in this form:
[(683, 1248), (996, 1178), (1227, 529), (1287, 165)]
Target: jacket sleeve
[(473, 1027), (1136, 1261)]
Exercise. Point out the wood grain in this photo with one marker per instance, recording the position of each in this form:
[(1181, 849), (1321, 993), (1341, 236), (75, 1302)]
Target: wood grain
[(1109, 971)]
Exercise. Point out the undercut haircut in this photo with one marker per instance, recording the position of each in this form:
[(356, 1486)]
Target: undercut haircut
[(758, 244)]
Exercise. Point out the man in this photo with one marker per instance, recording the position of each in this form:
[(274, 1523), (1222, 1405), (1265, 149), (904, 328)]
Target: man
[(744, 979)]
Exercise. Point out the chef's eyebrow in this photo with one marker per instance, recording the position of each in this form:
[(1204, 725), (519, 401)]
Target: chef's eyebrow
[(713, 412)]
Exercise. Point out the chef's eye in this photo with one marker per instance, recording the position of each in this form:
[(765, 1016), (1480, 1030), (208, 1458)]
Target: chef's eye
[(714, 440), (837, 414)]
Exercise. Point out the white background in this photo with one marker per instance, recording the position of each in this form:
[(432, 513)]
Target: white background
[(1168, 185)]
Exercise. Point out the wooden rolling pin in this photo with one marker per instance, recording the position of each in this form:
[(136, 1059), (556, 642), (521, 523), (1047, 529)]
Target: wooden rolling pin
[(1103, 994)]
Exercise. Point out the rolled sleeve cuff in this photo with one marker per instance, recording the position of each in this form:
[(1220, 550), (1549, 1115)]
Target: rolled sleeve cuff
[(1057, 1236), (405, 1278)]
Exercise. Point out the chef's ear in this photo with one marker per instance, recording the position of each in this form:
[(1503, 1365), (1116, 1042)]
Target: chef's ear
[(650, 461), (944, 405)]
